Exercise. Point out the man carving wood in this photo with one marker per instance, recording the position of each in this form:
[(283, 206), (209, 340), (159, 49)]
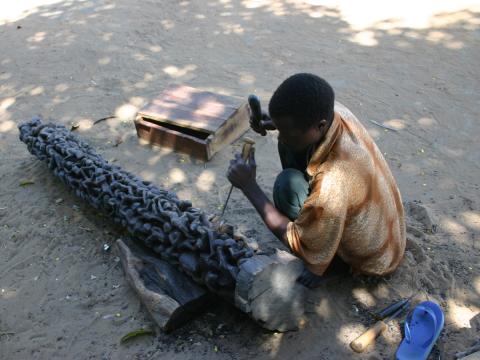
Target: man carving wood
[(336, 196)]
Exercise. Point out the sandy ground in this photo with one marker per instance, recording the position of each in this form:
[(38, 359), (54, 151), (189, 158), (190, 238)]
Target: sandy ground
[(62, 297)]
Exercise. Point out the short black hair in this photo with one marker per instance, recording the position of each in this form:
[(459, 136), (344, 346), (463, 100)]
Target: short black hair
[(306, 98)]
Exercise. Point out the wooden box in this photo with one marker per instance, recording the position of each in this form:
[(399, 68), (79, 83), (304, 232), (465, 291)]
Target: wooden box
[(191, 121)]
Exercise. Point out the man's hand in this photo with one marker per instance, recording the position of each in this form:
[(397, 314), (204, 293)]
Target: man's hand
[(265, 124), (242, 173)]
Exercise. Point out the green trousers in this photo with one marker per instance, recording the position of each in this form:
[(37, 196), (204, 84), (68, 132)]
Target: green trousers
[(291, 190), (291, 187)]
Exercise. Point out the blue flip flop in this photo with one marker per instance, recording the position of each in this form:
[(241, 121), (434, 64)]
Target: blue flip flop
[(422, 329)]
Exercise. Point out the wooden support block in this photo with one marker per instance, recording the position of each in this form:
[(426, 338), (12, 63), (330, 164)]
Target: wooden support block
[(268, 292), (191, 121), (170, 296), (474, 356)]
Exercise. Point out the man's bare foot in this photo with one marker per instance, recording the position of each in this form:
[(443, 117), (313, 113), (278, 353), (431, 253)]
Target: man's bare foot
[(309, 279)]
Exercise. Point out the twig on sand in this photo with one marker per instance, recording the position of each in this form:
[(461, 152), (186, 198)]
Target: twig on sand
[(7, 333), (382, 125), (85, 228), (152, 355), (470, 350), (103, 119)]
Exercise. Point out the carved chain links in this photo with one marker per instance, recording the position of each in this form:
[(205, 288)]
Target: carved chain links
[(172, 228)]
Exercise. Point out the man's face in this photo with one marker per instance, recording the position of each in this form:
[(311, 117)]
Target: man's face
[(297, 139)]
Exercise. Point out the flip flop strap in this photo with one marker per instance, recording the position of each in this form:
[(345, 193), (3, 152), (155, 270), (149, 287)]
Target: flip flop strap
[(408, 333), (426, 311)]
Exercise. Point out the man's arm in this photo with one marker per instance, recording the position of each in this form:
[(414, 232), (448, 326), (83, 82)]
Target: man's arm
[(274, 219), (242, 175)]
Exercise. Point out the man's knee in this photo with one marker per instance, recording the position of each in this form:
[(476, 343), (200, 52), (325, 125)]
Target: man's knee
[(290, 192)]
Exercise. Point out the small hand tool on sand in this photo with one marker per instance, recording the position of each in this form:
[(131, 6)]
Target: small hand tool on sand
[(246, 149), (389, 313), (389, 310)]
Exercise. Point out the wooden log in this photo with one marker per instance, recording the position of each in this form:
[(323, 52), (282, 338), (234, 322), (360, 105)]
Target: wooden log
[(474, 349), (268, 292), (474, 356), (171, 297), (266, 289)]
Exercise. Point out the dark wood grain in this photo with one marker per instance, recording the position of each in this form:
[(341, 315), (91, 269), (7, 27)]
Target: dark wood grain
[(171, 297)]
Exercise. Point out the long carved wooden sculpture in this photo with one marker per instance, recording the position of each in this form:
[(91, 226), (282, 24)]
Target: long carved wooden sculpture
[(178, 233)]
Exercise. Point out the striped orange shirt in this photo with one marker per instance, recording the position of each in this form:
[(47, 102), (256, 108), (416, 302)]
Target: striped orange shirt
[(354, 208)]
